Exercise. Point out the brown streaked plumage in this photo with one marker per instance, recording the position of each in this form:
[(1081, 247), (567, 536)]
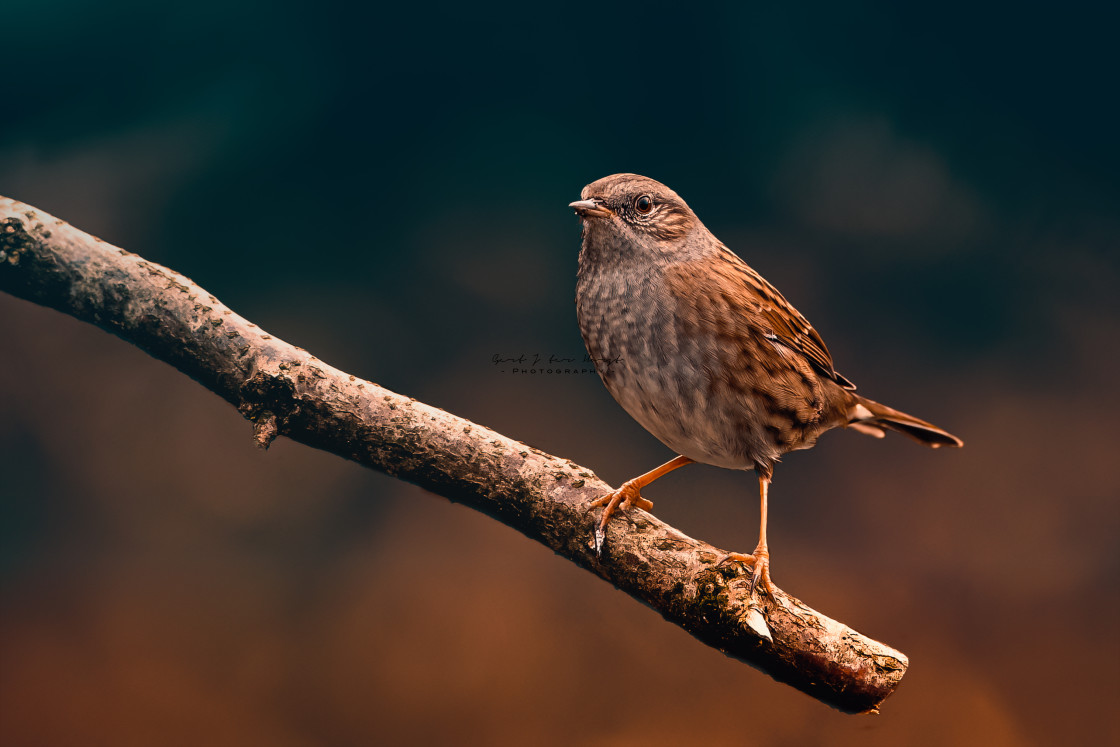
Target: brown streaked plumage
[(703, 352)]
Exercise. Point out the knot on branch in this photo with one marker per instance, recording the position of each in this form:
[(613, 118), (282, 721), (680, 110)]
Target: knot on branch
[(269, 401), (265, 429), (14, 240), (725, 604)]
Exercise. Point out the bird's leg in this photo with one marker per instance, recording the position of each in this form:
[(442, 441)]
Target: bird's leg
[(760, 559), (630, 493)]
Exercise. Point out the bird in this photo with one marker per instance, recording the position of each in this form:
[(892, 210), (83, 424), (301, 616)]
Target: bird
[(704, 353)]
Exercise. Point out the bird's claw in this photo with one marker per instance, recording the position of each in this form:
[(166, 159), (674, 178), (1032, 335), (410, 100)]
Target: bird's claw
[(626, 496), (760, 565), (755, 617)]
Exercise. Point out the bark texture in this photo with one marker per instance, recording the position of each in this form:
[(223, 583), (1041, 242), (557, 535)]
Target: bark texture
[(286, 391)]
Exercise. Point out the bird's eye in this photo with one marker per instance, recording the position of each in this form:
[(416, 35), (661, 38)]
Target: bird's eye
[(643, 204)]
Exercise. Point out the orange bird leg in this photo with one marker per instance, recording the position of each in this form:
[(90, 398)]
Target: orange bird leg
[(760, 559), (630, 495)]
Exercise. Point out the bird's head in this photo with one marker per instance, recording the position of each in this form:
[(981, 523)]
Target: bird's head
[(632, 209)]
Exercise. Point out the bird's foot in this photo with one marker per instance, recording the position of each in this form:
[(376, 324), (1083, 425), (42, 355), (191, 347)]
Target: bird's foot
[(760, 580), (626, 496), (760, 563)]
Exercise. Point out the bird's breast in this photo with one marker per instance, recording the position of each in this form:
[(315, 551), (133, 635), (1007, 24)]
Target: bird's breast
[(664, 379), (718, 393)]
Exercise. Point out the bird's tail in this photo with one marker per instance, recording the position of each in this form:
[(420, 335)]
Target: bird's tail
[(872, 418)]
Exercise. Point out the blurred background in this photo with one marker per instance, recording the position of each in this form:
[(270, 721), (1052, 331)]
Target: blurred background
[(934, 188)]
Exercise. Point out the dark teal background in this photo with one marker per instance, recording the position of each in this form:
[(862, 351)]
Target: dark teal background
[(933, 186)]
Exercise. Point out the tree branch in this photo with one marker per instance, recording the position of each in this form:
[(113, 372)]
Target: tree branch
[(286, 391)]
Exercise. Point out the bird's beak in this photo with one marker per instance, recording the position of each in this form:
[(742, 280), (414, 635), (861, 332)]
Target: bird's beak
[(589, 208)]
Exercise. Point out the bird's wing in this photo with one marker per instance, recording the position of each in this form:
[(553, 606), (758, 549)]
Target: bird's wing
[(749, 296)]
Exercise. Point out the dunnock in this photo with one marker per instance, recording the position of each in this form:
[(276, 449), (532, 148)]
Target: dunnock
[(705, 354)]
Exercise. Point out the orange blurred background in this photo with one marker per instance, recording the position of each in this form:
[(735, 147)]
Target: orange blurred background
[(389, 190)]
